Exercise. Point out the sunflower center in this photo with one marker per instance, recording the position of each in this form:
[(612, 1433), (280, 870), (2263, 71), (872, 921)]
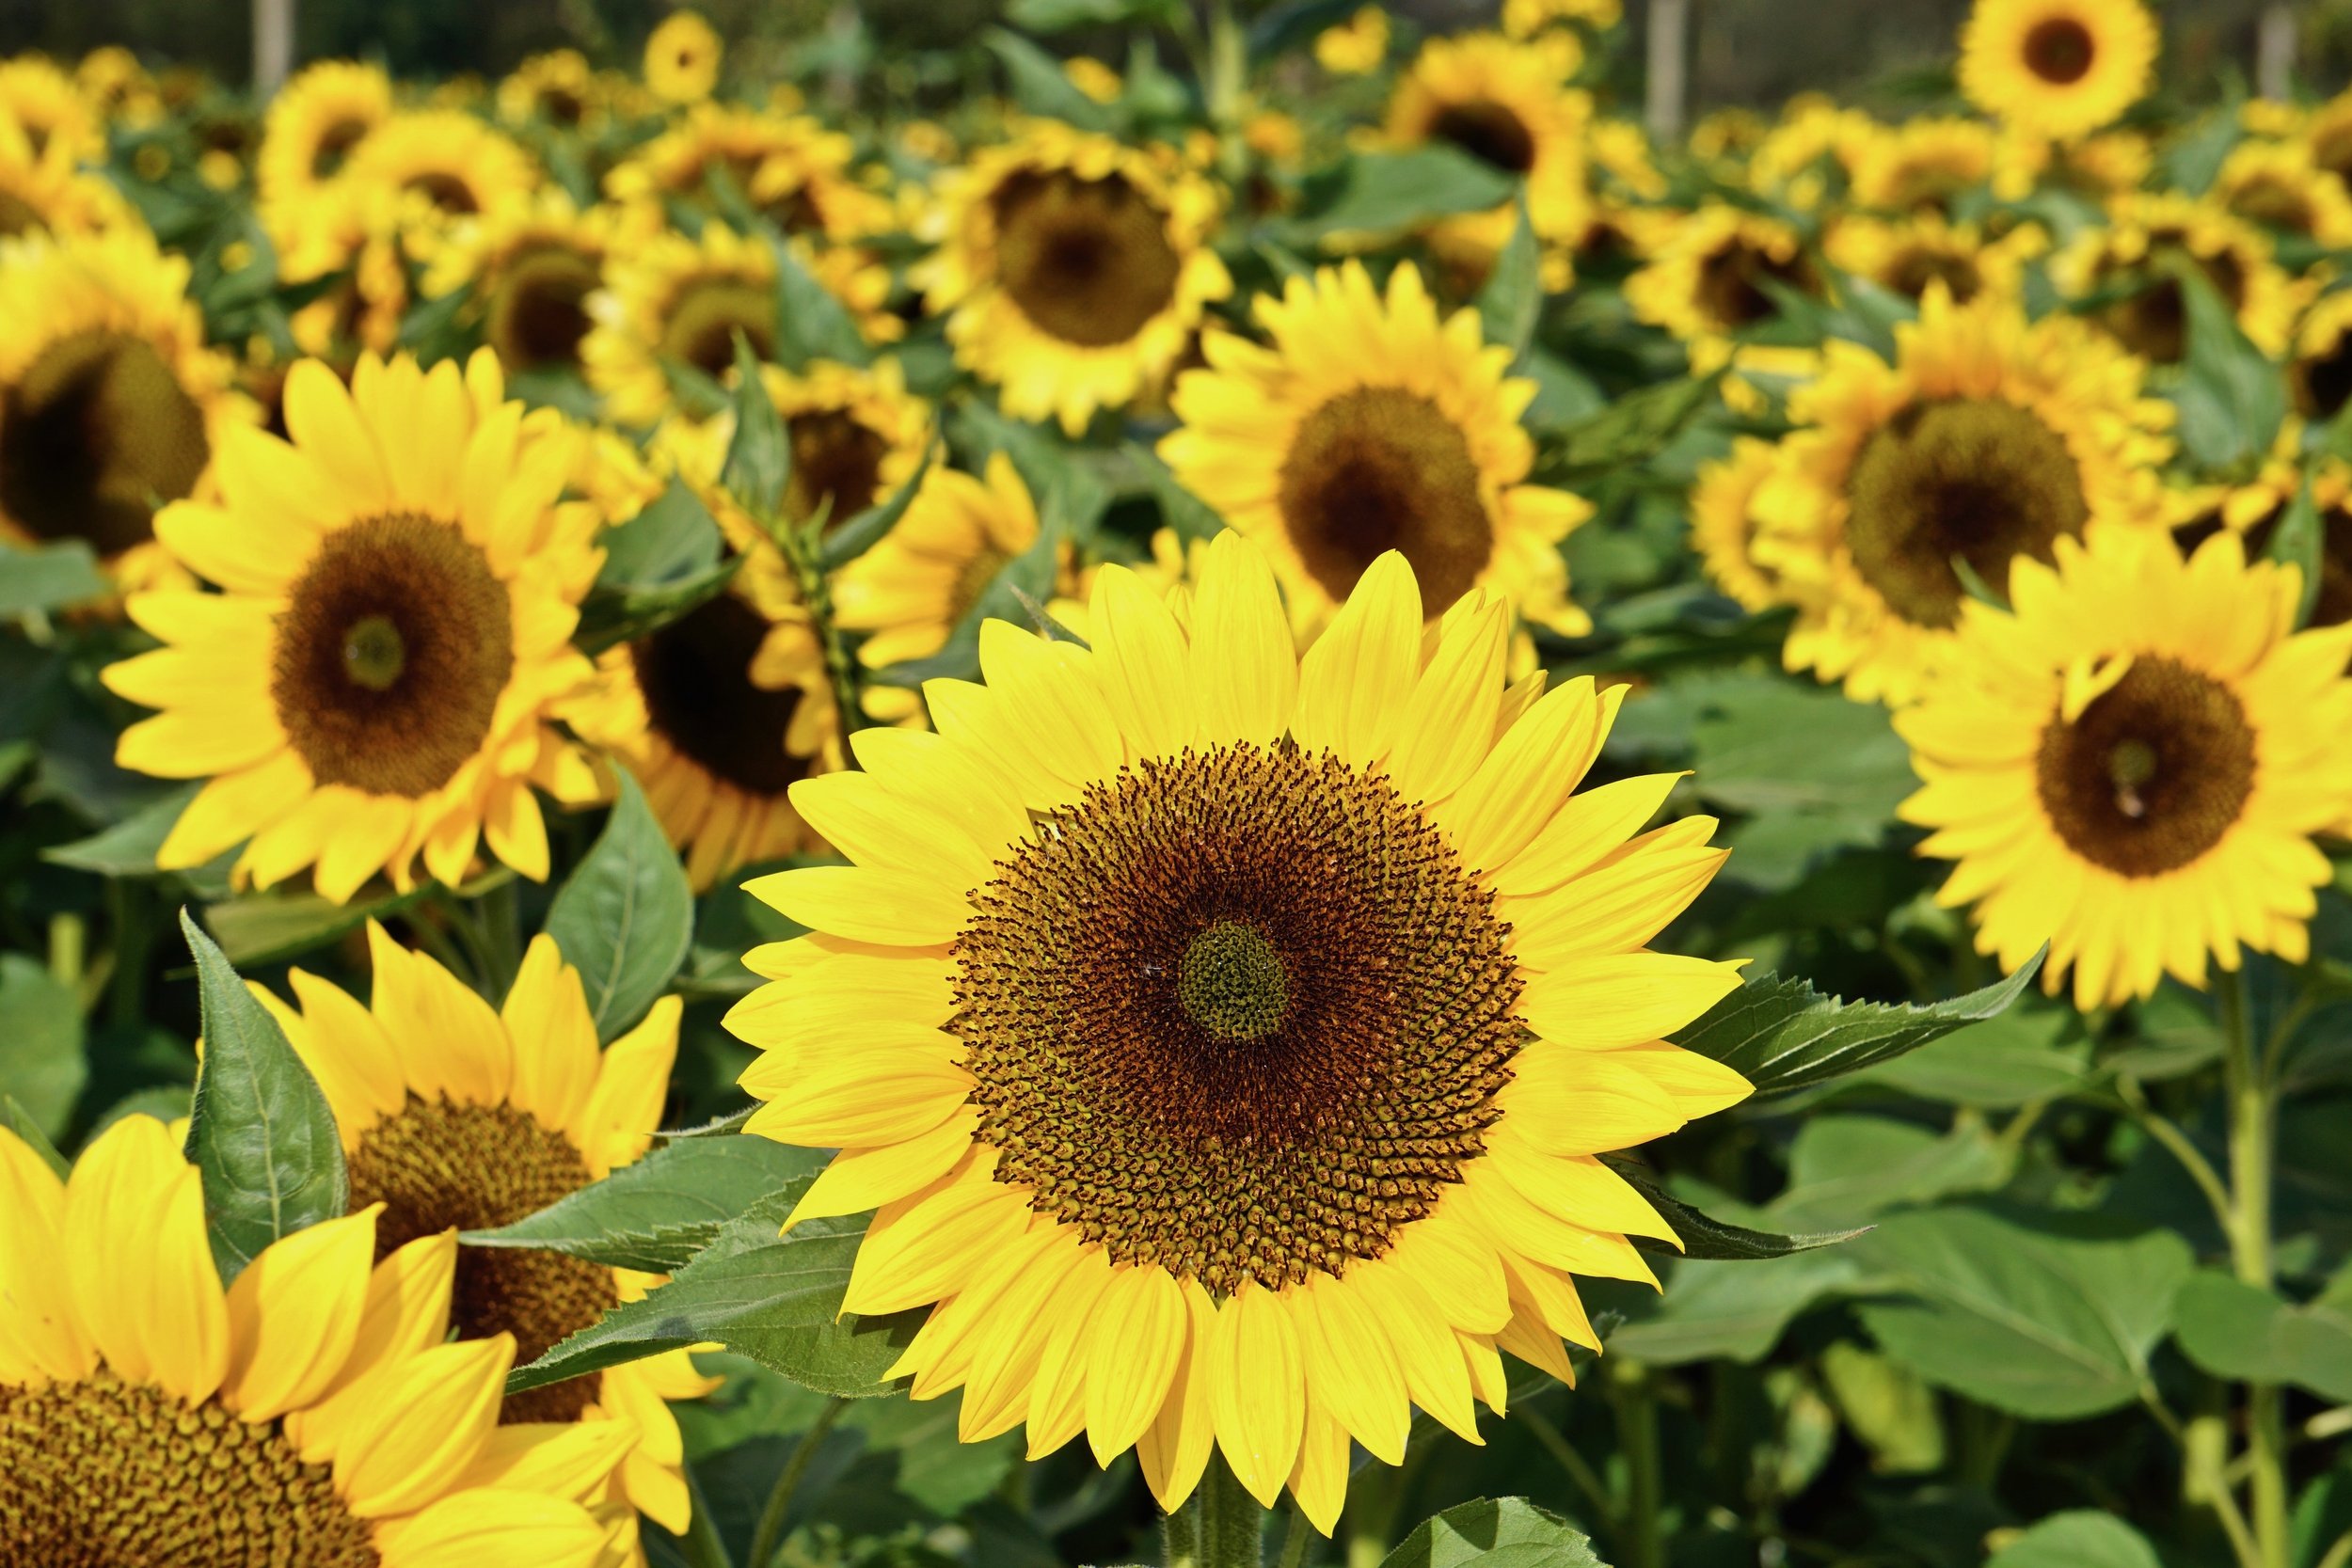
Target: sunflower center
[(436, 1165), (392, 650), (695, 673), (2059, 50), (836, 457), (108, 1474), (2152, 322), (1087, 260), (1488, 132), (93, 437), (1914, 270), (1382, 468), (1969, 479), (2277, 202), (334, 145), (18, 217), (2153, 774), (1116, 963), (540, 312), (446, 191), (706, 316), (1729, 291)]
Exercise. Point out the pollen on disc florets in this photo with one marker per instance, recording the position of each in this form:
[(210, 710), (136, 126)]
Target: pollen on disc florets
[(1239, 1014)]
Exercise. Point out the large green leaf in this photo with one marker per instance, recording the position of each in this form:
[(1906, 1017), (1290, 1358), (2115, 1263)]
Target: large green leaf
[(128, 847), (1505, 1532), (2003, 1062), (656, 1213), (611, 616), (812, 324), (2042, 1324), (2083, 1538), (1781, 1033), (2245, 1333), (1846, 1170), (42, 1064), (260, 1131), (672, 538), (1704, 1237), (759, 454), (2231, 399), (1039, 84), (1630, 430), (625, 917), (1513, 296), (1384, 191), (49, 576), (1724, 1311)]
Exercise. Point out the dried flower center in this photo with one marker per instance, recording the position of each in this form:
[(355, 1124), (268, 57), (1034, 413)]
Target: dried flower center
[(393, 649), (1488, 132), (2059, 50), (695, 673), (1382, 468), (436, 1165), (1971, 479), (706, 314), (95, 436), (1237, 1015), (108, 1474), (540, 311), (2153, 774), (836, 456), (1087, 260)]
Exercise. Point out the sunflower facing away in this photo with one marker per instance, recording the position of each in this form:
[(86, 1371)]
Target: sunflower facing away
[(2132, 765), (315, 120), (309, 1413), (1371, 422), (1227, 1038), (400, 584), (2057, 69), (1985, 442)]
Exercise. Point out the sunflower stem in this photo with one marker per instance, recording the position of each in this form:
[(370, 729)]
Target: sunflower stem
[(2253, 1114), (1637, 1438), (769, 1533), (1220, 1525)]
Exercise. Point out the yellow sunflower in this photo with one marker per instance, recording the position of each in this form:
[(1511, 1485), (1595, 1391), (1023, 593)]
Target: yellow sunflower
[(1074, 271), (1091, 1018), (1357, 46), (2329, 134), (442, 165), (309, 1412), (1985, 442), (2279, 185), (1523, 19), (47, 104), (1908, 254), (792, 168), (558, 89), (682, 58), (44, 192), (1814, 149), (109, 399), (317, 118), (1723, 526), (1702, 281), (2147, 232), (458, 1118), (2253, 508), (1372, 423), (2132, 765), (398, 588), (915, 586), (2321, 368), (348, 234), (1924, 165), (532, 265), (2057, 69)]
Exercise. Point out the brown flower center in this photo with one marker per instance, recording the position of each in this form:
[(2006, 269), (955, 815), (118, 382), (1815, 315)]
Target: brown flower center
[(392, 650), (836, 456), (2323, 382), (1913, 269), (2059, 50), (1382, 468), (1488, 132), (335, 144), (2153, 774), (695, 673), (706, 316), (447, 191), (1730, 293), (2152, 322), (20, 217), (540, 311), (1087, 260), (94, 437)]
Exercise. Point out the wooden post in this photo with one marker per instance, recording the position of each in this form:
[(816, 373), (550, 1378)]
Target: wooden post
[(1668, 90), (2274, 51), (273, 46)]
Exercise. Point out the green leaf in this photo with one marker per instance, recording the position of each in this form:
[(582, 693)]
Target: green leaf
[(1513, 297), (2297, 542), (264, 928), (2042, 1324), (854, 536), (49, 577), (128, 848), (1039, 84), (2081, 1538), (1507, 1533), (2245, 1334), (759, 454), (625, 916), (611, 617), (19, 1121), (2231, 399), (260, 1131), (1286, 26), (811, 322), (673, 538), (41, 1066), (1846, 1170), (1381, 192), (1780, 1034), (1712, 1239), (1631, 430), (656, 1213), (1180, 509), (2003, 1062), (1727, 1311)]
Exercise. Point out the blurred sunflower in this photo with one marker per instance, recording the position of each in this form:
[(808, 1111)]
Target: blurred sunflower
[(2057, 69), (307, 1413), (1370, 423), (1907, 255), (558, 89), (532, 265), (1985, 442), (2320, 369), (322, 112), (1723, 524), (2148, 233), (44, 192), (2278, 185), (440, 166), (372, 684), (456, 1117), (792, 169), (1074, 270), (1526, 18), (1357, 46), (109, 399), (1087, 1019), (49, 107), (1703, 281), (2328, 131), (1924, 165), (2131, 765), (345, 238), (1799, 161), (915, 586), (682, 58), (2253, 507)]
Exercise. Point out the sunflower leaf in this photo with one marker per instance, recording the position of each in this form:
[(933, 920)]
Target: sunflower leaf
[(1039, 86), (610, 616), (1781, 1033), (1494, 1532), (625, 917), (260, 1132), (861, 532), (1712, 1239), (15, 1120), (2231, 399), (49, 577), (811, 324), (1513, 298), (1382, 192), (2245, 1334), (2297, 543), (2079, 1538), (1631, 430), (759, 457)]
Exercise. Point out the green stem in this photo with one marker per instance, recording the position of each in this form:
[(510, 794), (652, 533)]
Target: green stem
[(66, 948), (1220, 1525), (1296, 1540), (2252, 1112), (802, 546), (128, 907), (769, 1535), (701, 1544), (501, 929), (1587, 1480), (1637, 1439)]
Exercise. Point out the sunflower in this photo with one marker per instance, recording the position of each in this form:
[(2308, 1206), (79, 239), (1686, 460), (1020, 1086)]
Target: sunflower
[(309, 1412), (532, 265), (682, 57), (1523, 19), (2132, 765), (1908, 254), (679, 300), (1985, 442), (1924, 165), (345, 237), (1723, 524), (1812, 150), (46, 104), (442, 165), (915, 586), (2278, 185), (558, 89), (1074, 270), (317, 118), (2328, 131), (458, 1117), (109, 399), (1371, 422), (2146, 235), (1357, 46), (2321, 368), (1226, 1040), (1703, 281), (2057, 69), (792, 168), (42, 193), (2253, 508), (398, 588)]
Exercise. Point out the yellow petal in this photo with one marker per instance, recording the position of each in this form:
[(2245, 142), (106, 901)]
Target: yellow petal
[(467, 1530), (1623, 998), (1174, 1450), (1258, 1389), (1141, 660), (1140, 1332), (38, 1335), (1355, 682), (294, 1316), (1244, 666), (894, 908), (435, 1411)]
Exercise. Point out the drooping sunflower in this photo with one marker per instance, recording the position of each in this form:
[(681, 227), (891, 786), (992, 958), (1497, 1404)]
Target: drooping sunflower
[(792, 168), (682, 58), (1074, 270), (44, 192), (109, 397), (49, 107), (319, 115), (372, 684), (531, 266), (2279, 185), (1907, 255), (2321, 368), (1371, 422), (1986, 441), (1088, 1018), (915, 586), (455, 1117), (2057, 69), (2146, 234), (1703, 281), (440, 166), (2131, 765), (309, 1413)]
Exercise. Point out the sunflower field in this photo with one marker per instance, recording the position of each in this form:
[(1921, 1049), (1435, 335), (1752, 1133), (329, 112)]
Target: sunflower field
[(1199, 784)]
